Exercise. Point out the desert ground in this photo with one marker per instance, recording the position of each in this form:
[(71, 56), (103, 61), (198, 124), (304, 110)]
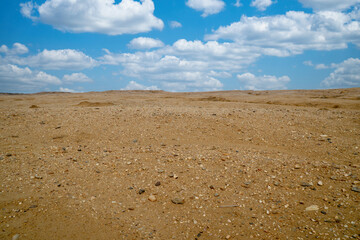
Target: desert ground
[(160, 165)]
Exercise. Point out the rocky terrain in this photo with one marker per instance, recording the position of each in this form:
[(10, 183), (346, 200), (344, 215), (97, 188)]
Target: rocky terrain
[(159, 165)]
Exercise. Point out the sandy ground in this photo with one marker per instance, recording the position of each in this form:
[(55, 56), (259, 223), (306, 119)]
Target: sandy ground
[(157, 165)]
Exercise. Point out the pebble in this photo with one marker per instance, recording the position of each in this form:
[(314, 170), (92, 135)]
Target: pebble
[(305, 184), (16, 237), (312, 208), (297, 166), (228, 237), (152, 198), (157, 184), (320, 183), (178, 200), (141, 191), (355, 189), (216, 195)]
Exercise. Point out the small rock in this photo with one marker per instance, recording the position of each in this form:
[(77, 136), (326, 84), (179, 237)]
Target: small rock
[(131, 208), (323, 212), (228, 237), (320, 183), (178, 200), (312, 208), (211, 187), (305, 184), (276, 183), (216, 195), (152, 198), (157, 184), (16, 237), (171, 175), (141, 191), (355, 189), (135, 141), (297, 166), (160, 171), (8, 155), (333, 177)]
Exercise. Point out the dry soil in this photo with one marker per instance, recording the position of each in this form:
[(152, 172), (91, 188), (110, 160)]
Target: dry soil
[(158, 165)]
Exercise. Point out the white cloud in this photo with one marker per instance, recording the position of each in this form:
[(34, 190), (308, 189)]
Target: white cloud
[(237, 3), (76, 77), (333, 5), (175, 24), (145, 43), (266, 82), (17, 49), (308, 63), (208, 7), (57, 60), (261, 5), (284, 35), (15, 79), (95, 16), (132, 85), (321, 66), (67, 90), (346, 74)]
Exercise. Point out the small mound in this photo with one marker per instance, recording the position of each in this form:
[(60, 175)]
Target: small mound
[(94, 104), (214, 99)]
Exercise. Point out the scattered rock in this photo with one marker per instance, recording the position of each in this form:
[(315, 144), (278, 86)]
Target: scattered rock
[(305, 184), (312, 208), (178, 200), (355, 189), (152, 198), (141, 191), (16, 237)]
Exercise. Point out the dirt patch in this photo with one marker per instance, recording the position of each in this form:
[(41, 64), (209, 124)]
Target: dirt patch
[(157, 165), (94, 104), (214, 99)]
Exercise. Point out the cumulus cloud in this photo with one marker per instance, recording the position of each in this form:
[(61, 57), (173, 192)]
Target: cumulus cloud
[(132, 85), (237, 3), (95, 16), (208, 7), (266, 82), (284, 35), (261, 5), (67, 90), (15, 79), (175, 24), (17, 49), (346, 74), (145, 43), (69, 59), (76, 77), (333, 5)]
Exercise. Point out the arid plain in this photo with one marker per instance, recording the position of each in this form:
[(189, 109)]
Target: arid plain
[(159, 165)]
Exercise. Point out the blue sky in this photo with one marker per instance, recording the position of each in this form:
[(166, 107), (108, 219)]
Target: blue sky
[(178, 45)]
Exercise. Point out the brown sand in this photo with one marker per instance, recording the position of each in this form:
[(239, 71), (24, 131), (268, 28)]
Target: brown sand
[(239, 165)]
